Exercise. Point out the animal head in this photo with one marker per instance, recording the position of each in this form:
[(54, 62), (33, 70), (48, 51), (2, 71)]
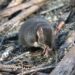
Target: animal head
[(39, 37), (44, 36)]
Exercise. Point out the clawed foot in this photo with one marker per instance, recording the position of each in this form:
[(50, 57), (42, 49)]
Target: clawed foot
[(47, 51)]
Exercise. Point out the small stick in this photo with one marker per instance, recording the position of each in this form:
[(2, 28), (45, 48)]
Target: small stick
[(36, 70), (19, 56), (9, 68)]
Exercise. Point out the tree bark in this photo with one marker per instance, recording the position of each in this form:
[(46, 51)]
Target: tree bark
[(67, 64)]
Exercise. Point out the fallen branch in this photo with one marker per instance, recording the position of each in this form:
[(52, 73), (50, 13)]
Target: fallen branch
[(25, 13), (10, 11), (67, 64), (14, 3), (67, 44)]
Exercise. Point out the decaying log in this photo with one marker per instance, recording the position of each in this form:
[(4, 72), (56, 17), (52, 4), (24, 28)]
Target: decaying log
[(10, 11), (67, 44), (67, 64), (25, 13), (14, 3)]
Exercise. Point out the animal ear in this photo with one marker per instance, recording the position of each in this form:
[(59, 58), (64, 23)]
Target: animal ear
[(40, 34)]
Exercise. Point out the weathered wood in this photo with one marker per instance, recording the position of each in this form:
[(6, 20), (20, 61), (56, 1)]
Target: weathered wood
[(25, 13), (14, 3), (36, 69), (69, 42), (67, 64), (7, 52), (17, 57), (58, 4), (40, 73), (9, 68), (10, 11)]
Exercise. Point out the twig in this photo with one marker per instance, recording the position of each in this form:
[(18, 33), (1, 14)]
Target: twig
[(19, 56), (9, 68), (36, 70)]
